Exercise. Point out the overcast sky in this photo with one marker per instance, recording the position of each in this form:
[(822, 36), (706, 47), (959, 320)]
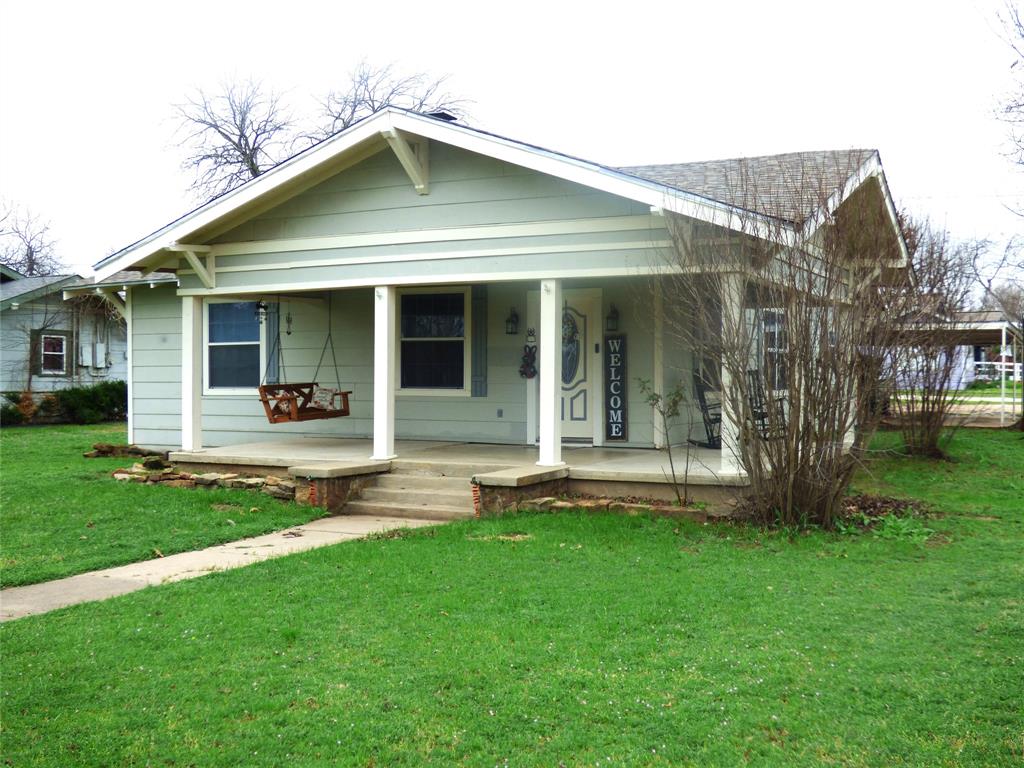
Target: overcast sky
[(87, 137)]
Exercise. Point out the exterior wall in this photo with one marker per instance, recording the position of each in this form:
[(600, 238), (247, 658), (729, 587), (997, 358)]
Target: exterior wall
[(155, 387), (530, 223), (87, 327)]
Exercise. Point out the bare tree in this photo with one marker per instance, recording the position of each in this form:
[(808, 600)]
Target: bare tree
[(928, 371), (26, 244), (232, 136), (1012, 108), (795, 325), (1002, 281), (371, 89)]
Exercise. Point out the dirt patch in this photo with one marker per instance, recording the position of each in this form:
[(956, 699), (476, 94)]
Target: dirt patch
[(516, 536), (227, 507)]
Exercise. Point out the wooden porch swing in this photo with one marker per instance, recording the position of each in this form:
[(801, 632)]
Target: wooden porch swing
[(304, 401)]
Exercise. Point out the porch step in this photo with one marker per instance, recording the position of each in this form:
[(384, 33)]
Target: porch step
[(464, 470), (462, 499), (425, 482), (425, 511)]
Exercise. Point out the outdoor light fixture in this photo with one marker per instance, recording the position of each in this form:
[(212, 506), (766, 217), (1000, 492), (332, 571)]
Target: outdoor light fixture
[(512, 323), (611, 323), (261, 311)]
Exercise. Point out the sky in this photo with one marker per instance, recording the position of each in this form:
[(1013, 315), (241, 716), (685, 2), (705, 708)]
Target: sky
[(88, 138)]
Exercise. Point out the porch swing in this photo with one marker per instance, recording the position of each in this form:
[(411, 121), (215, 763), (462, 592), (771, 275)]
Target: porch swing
[(304, 401)]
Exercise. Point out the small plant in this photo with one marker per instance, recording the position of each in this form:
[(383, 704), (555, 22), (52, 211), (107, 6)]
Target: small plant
[(893, 526), (10, 415), (26, 406), (667, 406)]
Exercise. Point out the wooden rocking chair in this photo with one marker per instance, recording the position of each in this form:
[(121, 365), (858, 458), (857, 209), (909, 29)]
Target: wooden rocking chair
[(711, 413), (766, 414)]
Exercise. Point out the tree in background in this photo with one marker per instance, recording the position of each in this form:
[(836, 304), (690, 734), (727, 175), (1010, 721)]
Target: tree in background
[(237, 134), (26, 244), (1012, 108), (232, 136)]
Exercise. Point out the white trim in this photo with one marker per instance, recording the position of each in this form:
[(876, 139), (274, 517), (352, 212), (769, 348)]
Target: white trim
[(459, 277), (414, 163), (532, 315), (442, 234), (658, 383), (129, 352), (384, 310), (209, 391), (467, 342), (550, 373), (64, 337), (191, 373)]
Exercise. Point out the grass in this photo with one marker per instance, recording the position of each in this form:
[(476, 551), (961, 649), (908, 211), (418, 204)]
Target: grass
[(564, 639), (62, 514)]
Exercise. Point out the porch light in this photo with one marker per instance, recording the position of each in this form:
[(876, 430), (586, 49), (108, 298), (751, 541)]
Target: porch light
[(512, 323), (261, 311), (611, 322)]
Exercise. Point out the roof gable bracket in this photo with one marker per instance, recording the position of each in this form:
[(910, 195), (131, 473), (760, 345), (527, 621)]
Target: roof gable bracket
[(412, 154), (206, 272)]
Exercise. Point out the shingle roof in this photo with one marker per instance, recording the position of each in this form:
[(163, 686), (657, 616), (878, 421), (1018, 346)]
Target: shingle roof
[(31, 285), (126, 277), (788, 186)]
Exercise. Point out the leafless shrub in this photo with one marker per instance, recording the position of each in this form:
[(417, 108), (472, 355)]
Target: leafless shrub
[(792, 312), (26, 244)]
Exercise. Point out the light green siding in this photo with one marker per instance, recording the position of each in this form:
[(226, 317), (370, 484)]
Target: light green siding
[(156, 367)]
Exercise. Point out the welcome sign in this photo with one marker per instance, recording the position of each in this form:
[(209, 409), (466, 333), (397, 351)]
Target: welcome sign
[(615, 388)]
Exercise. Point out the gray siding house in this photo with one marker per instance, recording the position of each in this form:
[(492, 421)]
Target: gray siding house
[(52, 342), (471, 289)]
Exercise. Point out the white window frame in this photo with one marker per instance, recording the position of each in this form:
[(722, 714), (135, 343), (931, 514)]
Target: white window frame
[(467, 342), (43, 336), (209, 391)]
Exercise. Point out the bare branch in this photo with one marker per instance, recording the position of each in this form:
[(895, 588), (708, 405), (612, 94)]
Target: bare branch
[(233, 136), (26, 244)]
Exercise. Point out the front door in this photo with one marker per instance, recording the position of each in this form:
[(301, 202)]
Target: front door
[(577, 369)]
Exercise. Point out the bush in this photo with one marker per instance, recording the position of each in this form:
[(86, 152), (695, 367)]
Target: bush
[(106, 401), (10, 415)]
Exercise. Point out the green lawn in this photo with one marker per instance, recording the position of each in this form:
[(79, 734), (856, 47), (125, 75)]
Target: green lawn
[(63, 514), (564, 639)]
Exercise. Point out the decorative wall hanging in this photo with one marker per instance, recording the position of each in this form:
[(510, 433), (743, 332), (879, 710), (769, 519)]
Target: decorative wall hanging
[(528, 368)]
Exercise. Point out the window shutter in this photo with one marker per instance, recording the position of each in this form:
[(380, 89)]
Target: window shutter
[(479, 342)]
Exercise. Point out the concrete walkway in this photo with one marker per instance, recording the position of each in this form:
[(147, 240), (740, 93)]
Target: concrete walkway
[(17, 602)]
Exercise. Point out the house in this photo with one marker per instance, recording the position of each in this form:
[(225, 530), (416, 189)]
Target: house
[(474, 291), (52, 340)]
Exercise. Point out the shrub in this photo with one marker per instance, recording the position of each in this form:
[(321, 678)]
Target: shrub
[(10, 415), (27, 406), (105, 401)]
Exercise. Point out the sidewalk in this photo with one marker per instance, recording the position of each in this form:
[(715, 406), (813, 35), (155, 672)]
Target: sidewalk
[(17, 602)]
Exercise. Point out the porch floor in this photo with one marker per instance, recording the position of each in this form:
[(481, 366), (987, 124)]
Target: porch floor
[(585, 462)]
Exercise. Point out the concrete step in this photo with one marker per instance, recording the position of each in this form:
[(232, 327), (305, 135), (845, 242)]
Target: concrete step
[(422, 512), (423, 482), (419, 497), (442, 469)]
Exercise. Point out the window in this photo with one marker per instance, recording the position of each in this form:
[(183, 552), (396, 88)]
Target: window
[(53, 358), (233, 345), (775, 349), (433, 329)]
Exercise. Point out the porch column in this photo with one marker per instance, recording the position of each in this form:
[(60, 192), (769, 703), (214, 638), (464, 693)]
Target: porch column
[(550, 355), (658, 380), (732, 325), (191, 373), (383, 373)]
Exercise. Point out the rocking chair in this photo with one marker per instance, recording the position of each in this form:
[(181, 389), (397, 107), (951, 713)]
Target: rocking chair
[(767, 415), (711, 414)]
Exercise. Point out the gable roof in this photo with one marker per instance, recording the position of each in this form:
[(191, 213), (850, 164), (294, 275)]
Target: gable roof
[(29, 288), (665, 187), (6, 273)]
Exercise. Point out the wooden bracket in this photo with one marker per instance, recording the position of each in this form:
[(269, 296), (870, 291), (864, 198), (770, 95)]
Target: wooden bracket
[(412, 154), (207, 273)]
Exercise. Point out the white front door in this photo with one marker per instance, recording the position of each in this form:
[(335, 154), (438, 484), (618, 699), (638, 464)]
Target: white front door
[(581, 362)]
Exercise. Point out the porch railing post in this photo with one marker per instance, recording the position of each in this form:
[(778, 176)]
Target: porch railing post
[(732, 323), (550, 373), (384, 372)]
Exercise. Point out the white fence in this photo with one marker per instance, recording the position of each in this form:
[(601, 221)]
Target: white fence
[(993, 371)]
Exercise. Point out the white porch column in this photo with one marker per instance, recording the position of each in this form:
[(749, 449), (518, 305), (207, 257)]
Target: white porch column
[(1002, 377), (732, 324), (550, 354), (191, 373), (658, 380), (383, 373)]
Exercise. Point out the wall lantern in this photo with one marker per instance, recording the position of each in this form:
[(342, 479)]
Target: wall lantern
[(261, 311), (512, 323), (611, 323)]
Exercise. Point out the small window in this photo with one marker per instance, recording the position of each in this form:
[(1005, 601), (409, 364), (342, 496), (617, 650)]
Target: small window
[(433, 348), (776, 346), (54, 354), (233, 345)]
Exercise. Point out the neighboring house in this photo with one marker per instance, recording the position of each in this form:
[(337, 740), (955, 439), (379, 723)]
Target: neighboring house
[(432, 254), (50, 342)]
